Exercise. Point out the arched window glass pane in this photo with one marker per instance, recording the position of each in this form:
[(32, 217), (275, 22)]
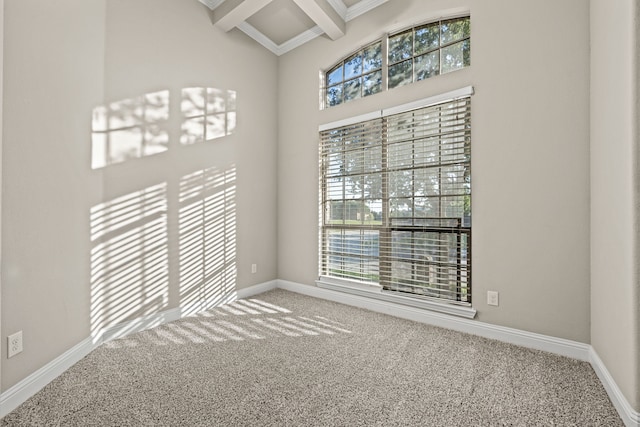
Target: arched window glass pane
[(352, 89), (455, 29), (401, 46), (372, 57), (334, 76), (421, 52), (353, 66), (456, 56), (427, 65), (334, 95), (427, 38), (372, 83), (400, 74), (360, 74)]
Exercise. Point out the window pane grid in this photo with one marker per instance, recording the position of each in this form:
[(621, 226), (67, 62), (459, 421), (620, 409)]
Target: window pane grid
[(351, 254), (396, 198), (414, 54), (432, 264), (356, 76)]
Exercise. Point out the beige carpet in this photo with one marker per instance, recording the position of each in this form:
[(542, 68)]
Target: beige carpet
[(283, 359)]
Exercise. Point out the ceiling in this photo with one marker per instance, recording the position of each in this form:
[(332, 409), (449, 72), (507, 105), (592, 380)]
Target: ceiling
[(283, 25)]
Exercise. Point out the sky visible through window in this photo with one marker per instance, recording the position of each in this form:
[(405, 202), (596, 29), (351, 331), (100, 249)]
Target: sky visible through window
[(415, 54)]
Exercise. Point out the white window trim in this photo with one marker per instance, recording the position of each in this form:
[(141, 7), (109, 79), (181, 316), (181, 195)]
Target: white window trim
[(421, 103), (372, 290), (375, 291)]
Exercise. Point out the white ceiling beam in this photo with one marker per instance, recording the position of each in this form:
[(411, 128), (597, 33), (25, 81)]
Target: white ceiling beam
[(232, 13), (340, 7), (324, 15), (265, 41), (211, 4)]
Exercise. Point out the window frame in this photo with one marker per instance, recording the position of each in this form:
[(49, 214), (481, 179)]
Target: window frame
[(371, 288), (439, 48), (359, 76), (387, 64)]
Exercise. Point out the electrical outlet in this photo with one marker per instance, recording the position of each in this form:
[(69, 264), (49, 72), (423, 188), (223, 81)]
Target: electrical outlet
[(254, 268), (492, 298), (14, 344)]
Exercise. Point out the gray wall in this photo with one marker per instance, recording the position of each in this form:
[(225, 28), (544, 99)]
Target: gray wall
[(542, 234), (530, 145), (53, 74), (88, 247), (614, 191)]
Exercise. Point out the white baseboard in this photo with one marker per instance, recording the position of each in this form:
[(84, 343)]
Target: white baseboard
[(563, 347), (554, 345), (573, 349), (257, 289), (13, 397), (138, 325), (629, 416), (20, 392)]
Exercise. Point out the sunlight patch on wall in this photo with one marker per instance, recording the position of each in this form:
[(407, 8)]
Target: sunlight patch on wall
[(130, 128), (207, 239), (208, 113), (129, 258)]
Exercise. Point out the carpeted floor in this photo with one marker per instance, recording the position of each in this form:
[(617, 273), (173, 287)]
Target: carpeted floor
[(284, 359)]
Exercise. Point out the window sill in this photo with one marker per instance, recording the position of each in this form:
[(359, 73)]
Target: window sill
[(374, 291)]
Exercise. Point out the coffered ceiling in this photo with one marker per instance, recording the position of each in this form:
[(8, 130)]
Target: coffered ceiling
[(283, 25)]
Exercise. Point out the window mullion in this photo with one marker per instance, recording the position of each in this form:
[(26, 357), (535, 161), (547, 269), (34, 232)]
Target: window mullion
[(385, 62)]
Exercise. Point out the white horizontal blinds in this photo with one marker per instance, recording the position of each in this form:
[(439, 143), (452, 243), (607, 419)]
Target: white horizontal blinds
[(429, 178), (396, 201), (352, 200)]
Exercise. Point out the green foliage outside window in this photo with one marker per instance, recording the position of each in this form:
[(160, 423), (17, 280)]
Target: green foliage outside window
[(415, 54)]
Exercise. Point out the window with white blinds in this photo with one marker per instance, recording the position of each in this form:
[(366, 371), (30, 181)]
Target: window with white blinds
[(396, 202)]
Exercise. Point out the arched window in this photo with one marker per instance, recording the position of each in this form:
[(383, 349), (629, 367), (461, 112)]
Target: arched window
[(356, 76), (407, 56), (428, 50)]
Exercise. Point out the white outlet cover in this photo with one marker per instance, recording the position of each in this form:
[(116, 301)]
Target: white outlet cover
[(492, 298), (14, 344)]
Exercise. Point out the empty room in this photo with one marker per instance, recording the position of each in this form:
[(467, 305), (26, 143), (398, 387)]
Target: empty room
[(319, 212)]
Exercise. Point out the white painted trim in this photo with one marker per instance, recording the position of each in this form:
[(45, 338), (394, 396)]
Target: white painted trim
[(350, 121), (376, 291), (560, 346), (232, 13), (427, 102), (326, 18), (285, 47), (629, 416), (339, 7), (20, 392), (257, 289), (252, 32), (211, 4), (16, 395), (420, 103), (547, 343), (23, 390), (347, 14), (362, 7), (299, 40), (140, 324)]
